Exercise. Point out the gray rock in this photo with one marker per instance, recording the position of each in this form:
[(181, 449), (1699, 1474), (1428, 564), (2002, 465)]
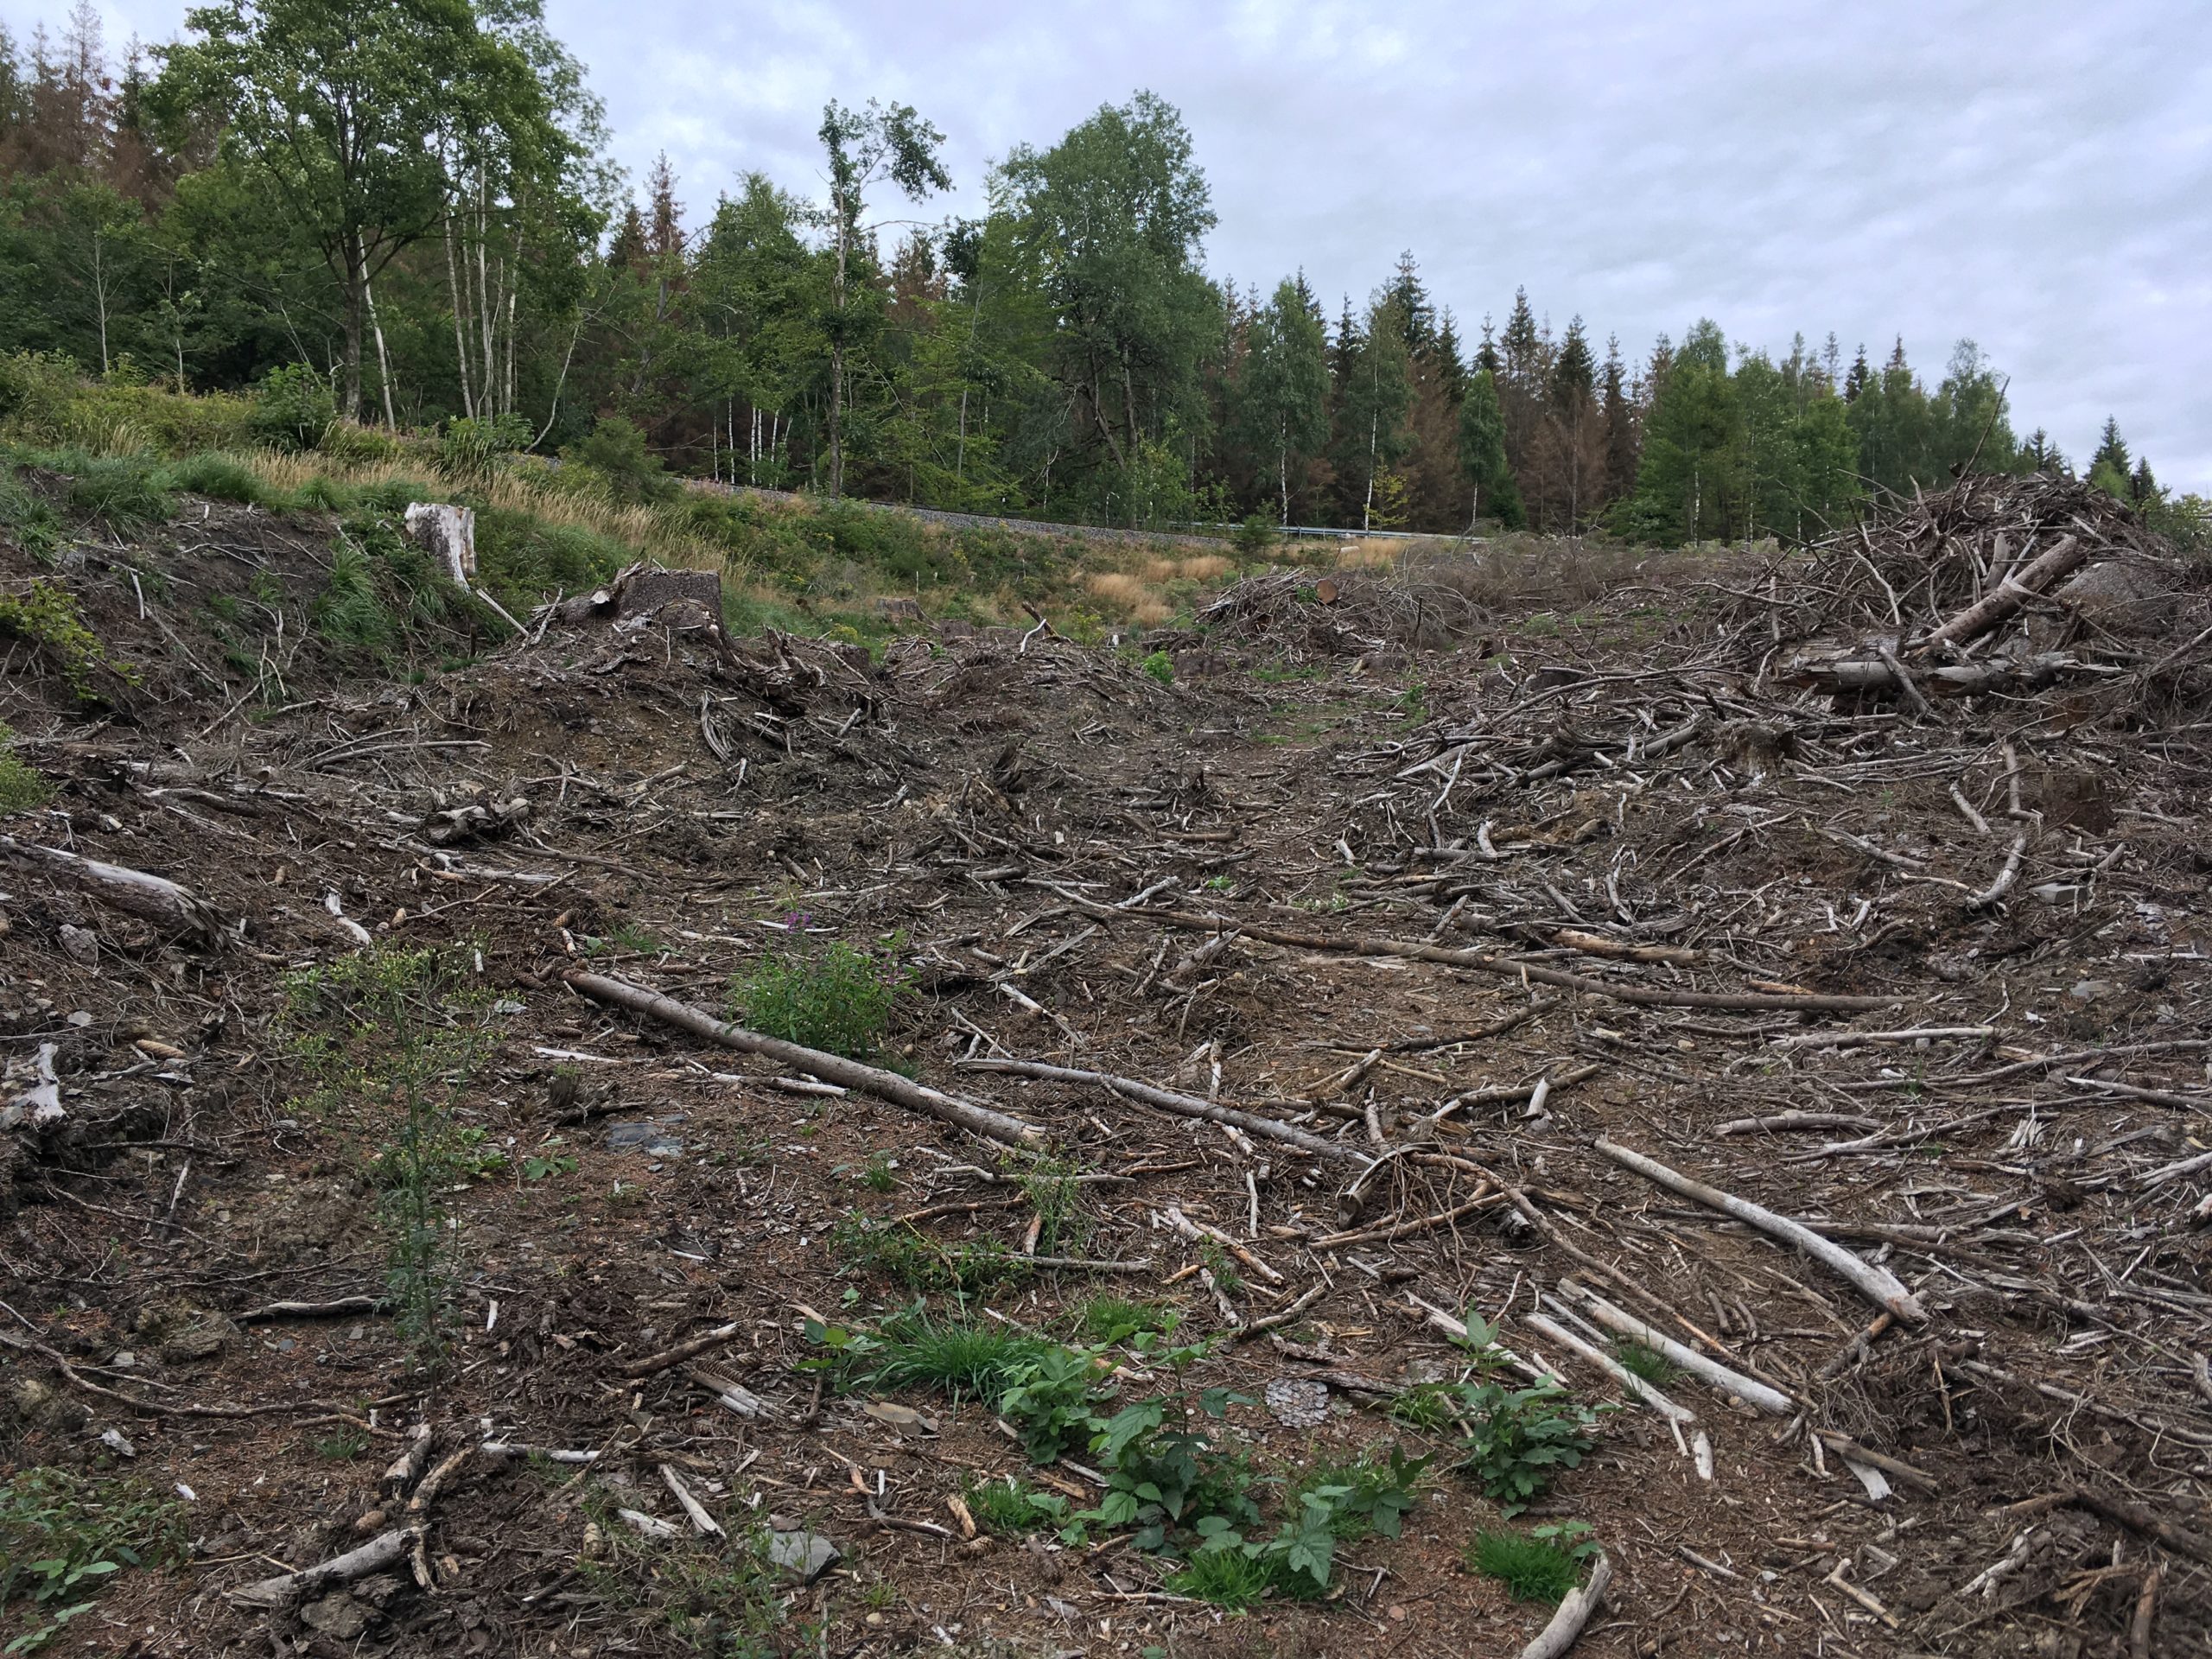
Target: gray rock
[(2091, 991), (337, 1616), (651, 1135), (802, 1556)]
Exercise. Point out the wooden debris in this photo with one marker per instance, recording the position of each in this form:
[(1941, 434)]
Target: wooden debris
[(1880, 1286)]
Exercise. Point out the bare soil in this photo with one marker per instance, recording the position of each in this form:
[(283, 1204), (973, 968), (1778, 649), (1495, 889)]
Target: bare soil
[(1044, 829)]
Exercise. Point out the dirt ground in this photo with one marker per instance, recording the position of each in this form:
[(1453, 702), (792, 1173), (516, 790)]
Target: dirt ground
[(1211, 866)]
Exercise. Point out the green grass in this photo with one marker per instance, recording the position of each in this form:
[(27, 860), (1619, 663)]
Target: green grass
[(1229, 1579), (1530, 1568), (220, 478), (1063, 1227), (1011, 1506), (124, 493), (1649, 1363), (911, 1260), (1100, 1320), (964, 1361), (342, 1446)]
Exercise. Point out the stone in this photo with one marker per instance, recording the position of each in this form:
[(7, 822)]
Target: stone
[(802, 1557), (81, 945), (649, 1135), (337, 1616), (2091, 991)]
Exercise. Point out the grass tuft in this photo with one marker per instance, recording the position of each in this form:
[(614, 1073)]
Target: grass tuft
[(1229, 1579), (1649, 1363), (1531, 1569)]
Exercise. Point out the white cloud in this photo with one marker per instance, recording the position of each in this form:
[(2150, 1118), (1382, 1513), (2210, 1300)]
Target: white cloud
[(2032, 173)]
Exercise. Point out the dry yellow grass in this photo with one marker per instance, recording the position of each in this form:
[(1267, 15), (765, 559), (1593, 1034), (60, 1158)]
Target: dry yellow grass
[(1374, 552), (1129, 596), (1199, 566)]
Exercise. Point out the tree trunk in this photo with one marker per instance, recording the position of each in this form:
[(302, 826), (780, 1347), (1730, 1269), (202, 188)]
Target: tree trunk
[(460, 335), (357, 282), (383, 358)]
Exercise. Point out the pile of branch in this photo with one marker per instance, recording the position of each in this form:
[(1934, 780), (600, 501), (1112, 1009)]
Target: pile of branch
[(2000, 585), (1351, 614)]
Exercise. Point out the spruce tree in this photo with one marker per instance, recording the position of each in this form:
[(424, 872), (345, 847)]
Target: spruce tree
[(1481, 455)]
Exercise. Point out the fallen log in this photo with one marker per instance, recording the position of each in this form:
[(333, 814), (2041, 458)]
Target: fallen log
[(1531, 972), (1574, 1611), (385, 1549), (1880, 1286), (2062, 558), (831, 1068), (151, 898), (1265, 1129), (1706, 1369)]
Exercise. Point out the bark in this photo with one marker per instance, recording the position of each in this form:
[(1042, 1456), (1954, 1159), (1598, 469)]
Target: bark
[(152, 898), (831, 1068), (2063, 558)]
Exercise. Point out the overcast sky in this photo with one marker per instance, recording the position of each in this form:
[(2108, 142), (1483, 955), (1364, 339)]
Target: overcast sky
[(2035, 174)]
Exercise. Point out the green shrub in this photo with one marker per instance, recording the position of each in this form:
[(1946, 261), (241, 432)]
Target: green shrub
[(1541, 1567), (615, 457), (836, 998), (1517, 1440), (404, 1029), (46, 613), (22, 786), (1370, 1494), (36, 392), (1254, 536), (1049, 1399), (1161, 666), (293, 407), (1104, 1320), (63, 1535)]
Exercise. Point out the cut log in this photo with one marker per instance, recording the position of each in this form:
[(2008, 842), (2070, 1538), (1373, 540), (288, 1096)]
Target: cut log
[(151, 898), (831, 1068), (2062, 558), (1878, 1285), (385, 1549)]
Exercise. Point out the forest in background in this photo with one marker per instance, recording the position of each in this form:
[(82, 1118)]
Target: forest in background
[(411, 202)]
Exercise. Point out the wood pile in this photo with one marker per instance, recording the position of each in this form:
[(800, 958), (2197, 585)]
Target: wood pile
[(1998, 586)]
